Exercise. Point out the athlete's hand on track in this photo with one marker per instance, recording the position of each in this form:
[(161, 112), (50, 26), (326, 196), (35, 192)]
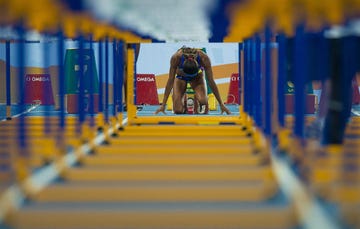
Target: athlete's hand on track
[(160, 109), (224, 109)]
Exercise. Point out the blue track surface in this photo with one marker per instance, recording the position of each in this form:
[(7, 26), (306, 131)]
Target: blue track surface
[(146, 110)]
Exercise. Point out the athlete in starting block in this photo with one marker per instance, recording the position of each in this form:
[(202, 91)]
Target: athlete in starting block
[(187, 65)]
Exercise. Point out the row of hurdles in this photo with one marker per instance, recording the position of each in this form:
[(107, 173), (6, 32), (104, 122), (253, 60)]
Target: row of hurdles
[(196, 175)]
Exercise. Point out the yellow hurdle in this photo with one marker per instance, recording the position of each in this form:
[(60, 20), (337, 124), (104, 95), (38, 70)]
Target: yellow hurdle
[(189, 141), (235, 130), (142, 173), (145, 192), (204, 216), (175, 149), (199, 159)]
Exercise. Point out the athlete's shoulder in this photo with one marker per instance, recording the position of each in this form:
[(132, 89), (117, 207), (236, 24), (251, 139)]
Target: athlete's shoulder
[(175, 58), (204, 58), (201, 52), (176, 55)]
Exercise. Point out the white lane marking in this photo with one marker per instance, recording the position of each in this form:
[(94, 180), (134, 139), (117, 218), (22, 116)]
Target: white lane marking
[(311, 214), (22, 113)]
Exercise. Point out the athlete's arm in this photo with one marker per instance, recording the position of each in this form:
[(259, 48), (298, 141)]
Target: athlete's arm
[(206, 63), (170, 82)]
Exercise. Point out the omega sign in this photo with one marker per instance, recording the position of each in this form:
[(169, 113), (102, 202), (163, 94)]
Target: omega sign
[(40, 77), (38, 88), (235, 78), (145, 79)]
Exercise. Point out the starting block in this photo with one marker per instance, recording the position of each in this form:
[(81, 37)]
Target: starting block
[(191, 102), (146, 90), (234, 89)]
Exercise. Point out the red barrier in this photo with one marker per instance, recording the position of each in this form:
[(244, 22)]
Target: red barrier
[(146, 90), (72, 103), (356, 94), (234, 94), (38, 89), (309, 103)]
